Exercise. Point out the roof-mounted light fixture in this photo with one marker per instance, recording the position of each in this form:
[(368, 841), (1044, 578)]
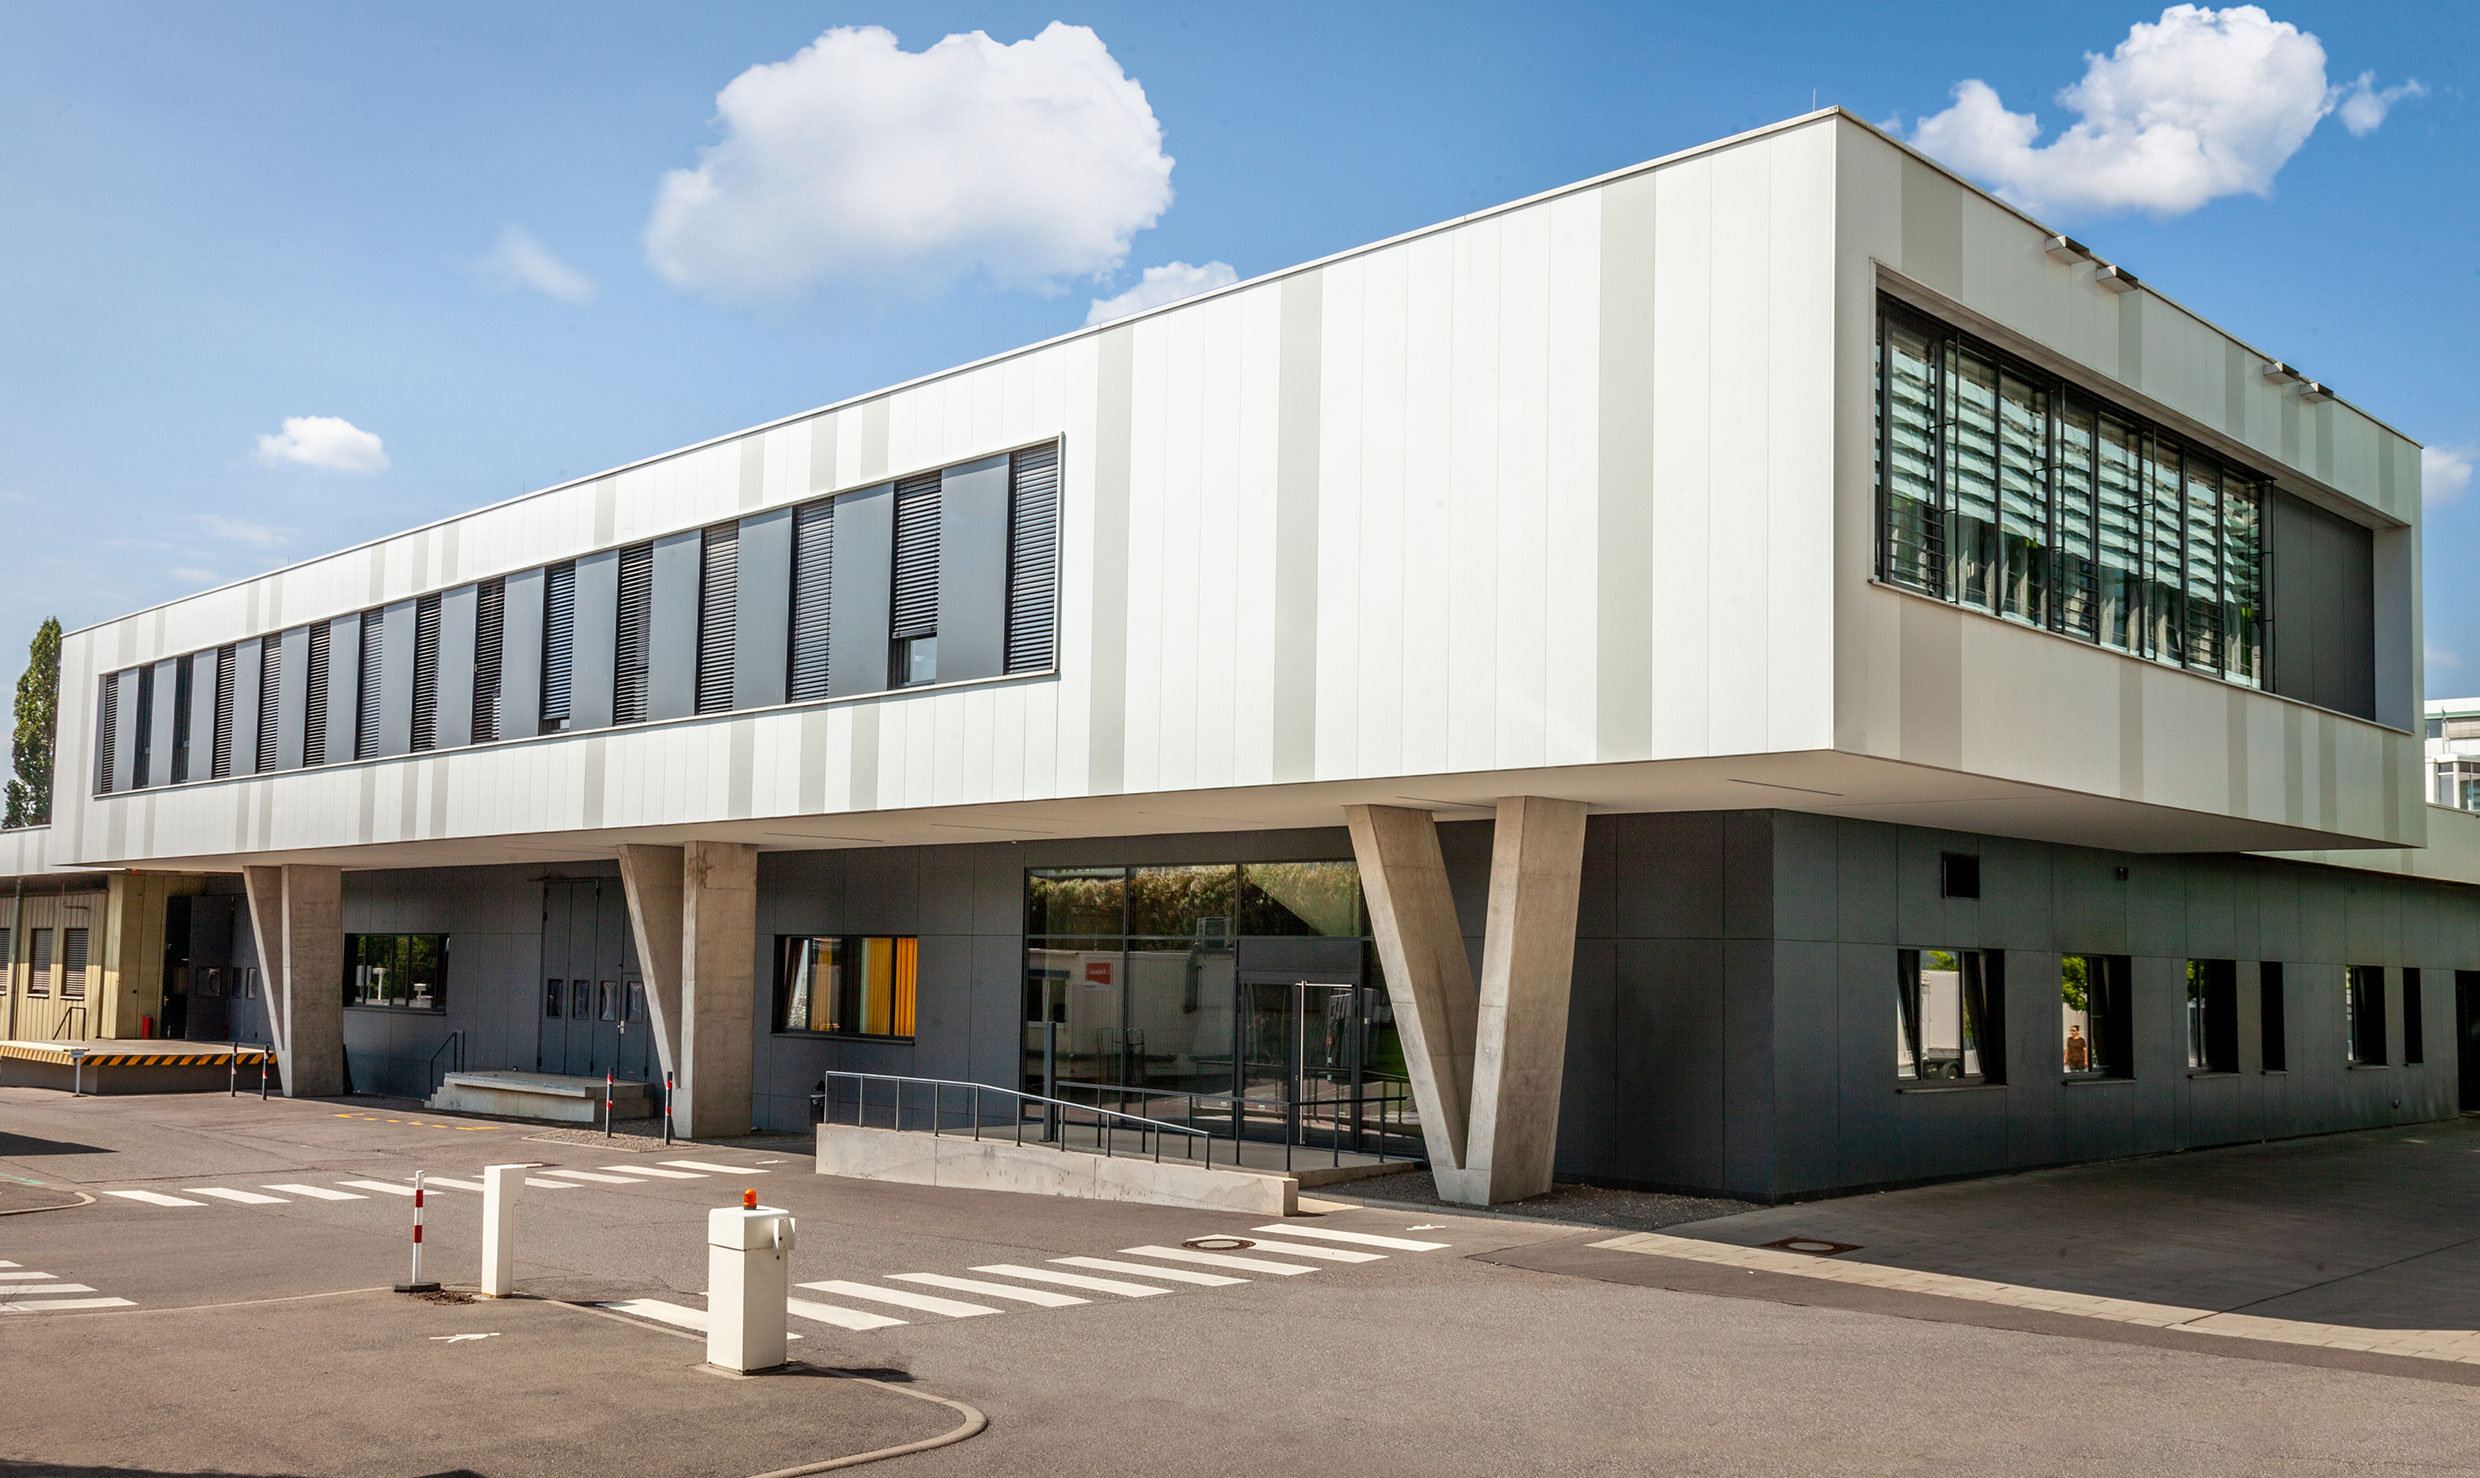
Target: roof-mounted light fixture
[(2282, 374), (2117, 279), (2067, 249), (2310, 390)]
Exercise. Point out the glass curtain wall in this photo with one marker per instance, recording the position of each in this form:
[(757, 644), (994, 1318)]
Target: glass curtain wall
[(2004, 489), (1134, 984)]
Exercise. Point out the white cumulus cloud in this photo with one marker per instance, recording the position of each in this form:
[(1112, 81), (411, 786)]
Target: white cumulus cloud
[(1167, 283), (1033, 162), (245, 531), (518, 261), (2197, 105), (2445, 472), (324, 441)]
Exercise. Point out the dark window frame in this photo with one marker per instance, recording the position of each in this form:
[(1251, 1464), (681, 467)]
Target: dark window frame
[(2211, 1003), (904, 988), (358, 954), (2108, 987), (2363, 1015), (1980, 1020)]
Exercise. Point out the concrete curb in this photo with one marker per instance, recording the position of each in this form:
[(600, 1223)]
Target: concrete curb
[(83, 1199)]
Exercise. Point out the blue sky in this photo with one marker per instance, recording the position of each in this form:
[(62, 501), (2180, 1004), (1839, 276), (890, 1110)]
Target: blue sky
[(225, 218)]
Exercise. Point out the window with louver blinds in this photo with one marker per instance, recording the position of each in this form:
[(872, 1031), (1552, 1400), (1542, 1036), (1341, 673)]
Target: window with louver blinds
[(366, 700), (490, 630), (559, 643), (109, 712), (270, 673), (220, 756), (813, 591), (632, 650), (314, 708), (180, 728), (1033, 559), (426, 672), (719, 587), (73, 964), (913, 622)]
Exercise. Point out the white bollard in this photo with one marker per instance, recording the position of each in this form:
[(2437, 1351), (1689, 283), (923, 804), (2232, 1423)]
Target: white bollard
[(500, 1184), (748, 1284)]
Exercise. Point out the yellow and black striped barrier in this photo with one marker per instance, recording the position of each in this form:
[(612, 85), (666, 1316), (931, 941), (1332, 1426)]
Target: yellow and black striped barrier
[(119, 1055)]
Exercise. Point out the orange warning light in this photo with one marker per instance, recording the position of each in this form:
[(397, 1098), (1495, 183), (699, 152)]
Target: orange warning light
[(749, 1200)]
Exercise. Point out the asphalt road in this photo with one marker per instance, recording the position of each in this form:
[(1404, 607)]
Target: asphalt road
[(1514, 1347)]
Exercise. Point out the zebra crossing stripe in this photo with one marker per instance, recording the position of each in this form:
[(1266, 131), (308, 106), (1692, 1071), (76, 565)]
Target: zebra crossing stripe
[(154, 1198), (28, 1290), (318, 1193), (714, 1169), (1143, 1270), (1219, 1260), (63, 1305), (840, 1318), (388, 1187), (243, 1198), (589, 1175), (1357, 1239), (650, 1170), (952, 1308), (1040, 1297), (1072, 1280), (24, 1277)]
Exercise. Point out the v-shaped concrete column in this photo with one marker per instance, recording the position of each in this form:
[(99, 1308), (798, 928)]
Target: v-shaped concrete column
[(695, 913), (297, 914), (1487, 1067)]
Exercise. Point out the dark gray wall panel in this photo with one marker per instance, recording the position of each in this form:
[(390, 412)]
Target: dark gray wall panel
[(672, 630), (396, 679), (520, 662), (292, 696), (344, 687), (597, 641), (2323, 602), (452, 725), (159, 726), (763, 620), (246, 663), (201, 714), (973, 528), (865, 531)]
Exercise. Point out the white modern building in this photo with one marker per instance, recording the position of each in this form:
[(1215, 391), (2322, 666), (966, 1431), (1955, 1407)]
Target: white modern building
[(1766, 672), (2451, 753)]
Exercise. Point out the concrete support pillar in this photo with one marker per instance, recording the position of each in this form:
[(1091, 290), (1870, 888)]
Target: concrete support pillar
[(298, 915), (1486, 1066), (695, 912), (651, 877), (1528, 960), (1428, 976)]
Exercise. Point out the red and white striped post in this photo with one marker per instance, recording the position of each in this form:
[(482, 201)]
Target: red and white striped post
[(415, 1283), (606, 1105), (667, 1108)]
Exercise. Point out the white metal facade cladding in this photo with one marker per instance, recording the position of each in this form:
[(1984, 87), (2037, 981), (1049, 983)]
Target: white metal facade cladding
[(1584, 485)]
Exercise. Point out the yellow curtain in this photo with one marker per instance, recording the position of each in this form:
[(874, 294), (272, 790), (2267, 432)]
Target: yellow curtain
[(908, 964)]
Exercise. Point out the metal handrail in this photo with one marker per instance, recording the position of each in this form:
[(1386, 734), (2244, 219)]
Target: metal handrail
[(1053, 1118), (1392, 1097), (454, 1039)]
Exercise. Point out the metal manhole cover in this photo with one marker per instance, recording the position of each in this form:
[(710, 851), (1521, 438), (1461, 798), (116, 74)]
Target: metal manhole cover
[(1218, 1244), (1815, 1246)]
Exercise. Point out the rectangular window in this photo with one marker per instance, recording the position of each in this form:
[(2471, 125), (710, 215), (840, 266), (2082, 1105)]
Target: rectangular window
[(633, 641), (314, 709), (8, 964), (719, 591), (270, 724), (552, 991), (180, 719), (580, 1000), (39, 963), (366, 696), (2095, 1023), (2212, 1016), (1959, 875), (1033, 559), (2363, 1015), (143, 750), (559, 643), (399, 972), (490, 637), (1947, 1018), (637, 1001), (220, 752), (107, 711), (813, 598), (426, 672), (2000, 489), (851, 985), (2414, 1050), (913, 623), (607, 1000), (2272, 1020), (73, 964)]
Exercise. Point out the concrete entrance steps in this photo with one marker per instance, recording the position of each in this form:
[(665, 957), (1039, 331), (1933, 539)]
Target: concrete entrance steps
[(1257, 1184), (552, 1097)]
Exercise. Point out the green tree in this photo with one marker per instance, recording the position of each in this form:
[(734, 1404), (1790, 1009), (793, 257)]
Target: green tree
[(38, 714)]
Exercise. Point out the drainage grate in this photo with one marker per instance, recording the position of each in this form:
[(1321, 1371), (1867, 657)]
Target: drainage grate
[(1815, 1246), (1218, 1244)]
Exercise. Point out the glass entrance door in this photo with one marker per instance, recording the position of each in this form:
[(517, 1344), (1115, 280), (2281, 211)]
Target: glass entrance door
[(1299, 1054)]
